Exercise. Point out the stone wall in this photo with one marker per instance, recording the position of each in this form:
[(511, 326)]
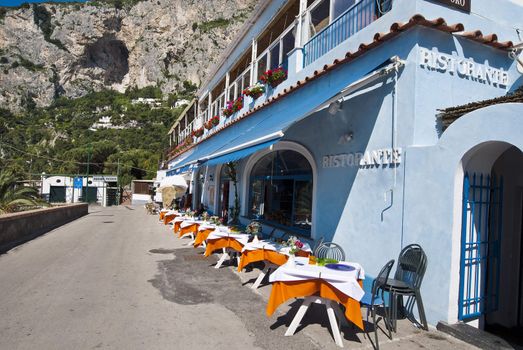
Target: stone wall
[(21, 227)]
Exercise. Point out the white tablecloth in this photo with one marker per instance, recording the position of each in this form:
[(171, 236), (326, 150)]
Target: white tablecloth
[(268, 245), (345, 281), (223, 232)]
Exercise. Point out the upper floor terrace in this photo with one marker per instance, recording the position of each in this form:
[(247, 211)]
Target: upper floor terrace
[(280, 40), (283, 44)]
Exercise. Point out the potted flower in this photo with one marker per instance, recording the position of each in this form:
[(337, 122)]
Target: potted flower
[(295, 245), (215, 120), (254, 91), (254, 228), (197, 132), (274, 77), (238, 104), (228, 110), (208, 125), (215, 220)]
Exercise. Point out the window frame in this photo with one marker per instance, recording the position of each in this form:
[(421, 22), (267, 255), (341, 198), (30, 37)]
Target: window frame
[(295, 178)]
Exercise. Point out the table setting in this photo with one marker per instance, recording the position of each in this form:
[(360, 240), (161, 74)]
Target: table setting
[(334, 284)]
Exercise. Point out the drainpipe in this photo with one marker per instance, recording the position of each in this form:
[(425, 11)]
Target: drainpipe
[(394, 136)]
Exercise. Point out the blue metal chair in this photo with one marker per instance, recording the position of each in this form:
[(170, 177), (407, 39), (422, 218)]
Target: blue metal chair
[(375, 298)]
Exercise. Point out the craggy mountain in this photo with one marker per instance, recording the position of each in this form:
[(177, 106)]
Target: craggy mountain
[(71, 49)]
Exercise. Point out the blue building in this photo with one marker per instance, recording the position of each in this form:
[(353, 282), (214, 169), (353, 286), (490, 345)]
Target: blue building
[(374, 141)]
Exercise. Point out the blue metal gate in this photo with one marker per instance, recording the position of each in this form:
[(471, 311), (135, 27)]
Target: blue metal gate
[(480, 245)]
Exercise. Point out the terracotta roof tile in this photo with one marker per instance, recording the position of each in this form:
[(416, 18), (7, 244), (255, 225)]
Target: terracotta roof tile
[(490, 39)]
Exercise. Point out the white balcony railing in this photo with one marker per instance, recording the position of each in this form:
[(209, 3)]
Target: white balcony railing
[(275, 55)]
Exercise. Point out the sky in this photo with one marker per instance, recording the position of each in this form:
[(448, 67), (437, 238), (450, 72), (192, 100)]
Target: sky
[(19, 2)]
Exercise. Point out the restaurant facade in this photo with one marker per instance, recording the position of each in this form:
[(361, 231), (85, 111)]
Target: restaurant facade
[(374, 141)]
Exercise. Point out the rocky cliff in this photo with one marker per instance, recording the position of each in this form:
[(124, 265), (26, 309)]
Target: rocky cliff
[(52, 50)]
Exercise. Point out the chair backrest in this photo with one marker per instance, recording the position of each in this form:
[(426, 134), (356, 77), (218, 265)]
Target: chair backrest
[(330, 250), (271, 234), (382, 277), (412, 263), (317, 243)]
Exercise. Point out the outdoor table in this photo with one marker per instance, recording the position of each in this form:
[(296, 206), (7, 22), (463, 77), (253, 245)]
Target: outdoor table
[(320, 285), (169, 216), (177, 222), (222, 238), (162, 213), (203, 232), (189, 227), (271, 253)]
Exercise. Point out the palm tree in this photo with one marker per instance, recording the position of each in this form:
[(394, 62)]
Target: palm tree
[(14, 197)]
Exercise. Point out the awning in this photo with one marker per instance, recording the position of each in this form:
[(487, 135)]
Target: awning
[(232, 156), (270, 123), (181, 170)]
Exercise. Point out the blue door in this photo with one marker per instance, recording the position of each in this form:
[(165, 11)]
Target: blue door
[(480, 245)]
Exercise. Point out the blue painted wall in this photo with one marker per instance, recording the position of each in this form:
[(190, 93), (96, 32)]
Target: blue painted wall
[(375, 212)]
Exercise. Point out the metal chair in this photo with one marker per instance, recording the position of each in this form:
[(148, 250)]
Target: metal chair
[(318, 243), (412, 264), (376, 298), (330, 250)]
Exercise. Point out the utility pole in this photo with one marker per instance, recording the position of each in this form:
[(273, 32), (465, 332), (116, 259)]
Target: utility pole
[(87, 179), (118, 182)]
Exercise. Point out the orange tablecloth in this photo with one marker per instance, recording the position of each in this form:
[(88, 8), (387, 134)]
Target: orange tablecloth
[(176, 227), (283, 291), (251, 256), (202, 236), (162, 214), (272, 256), (168, 218), (188, 229), (223, 242)]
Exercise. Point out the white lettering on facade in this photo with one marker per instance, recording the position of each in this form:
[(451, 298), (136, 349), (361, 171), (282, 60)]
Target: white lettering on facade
[(387, 156), (463, 67)]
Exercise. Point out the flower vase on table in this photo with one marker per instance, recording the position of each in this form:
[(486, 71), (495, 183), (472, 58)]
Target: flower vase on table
[(292, 260)]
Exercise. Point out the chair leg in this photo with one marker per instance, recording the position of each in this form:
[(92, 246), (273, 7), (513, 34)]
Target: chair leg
[(421, 310), (375, 327)]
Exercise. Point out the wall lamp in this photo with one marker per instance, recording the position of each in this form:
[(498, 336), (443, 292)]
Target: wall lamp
[(346, 138), (335, 107)]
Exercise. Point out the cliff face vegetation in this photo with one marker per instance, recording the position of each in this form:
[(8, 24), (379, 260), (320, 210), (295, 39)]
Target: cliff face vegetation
[(73, 79), (69, 50)]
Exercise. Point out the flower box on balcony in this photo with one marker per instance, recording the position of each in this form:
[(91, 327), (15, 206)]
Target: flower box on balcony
[(274, 77), (197, 132), (254, 91)]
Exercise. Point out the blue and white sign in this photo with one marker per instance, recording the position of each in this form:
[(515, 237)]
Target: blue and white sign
[(78, 183)]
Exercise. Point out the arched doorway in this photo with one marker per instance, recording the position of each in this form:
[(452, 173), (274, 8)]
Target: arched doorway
[(281, 191), (491, 262)]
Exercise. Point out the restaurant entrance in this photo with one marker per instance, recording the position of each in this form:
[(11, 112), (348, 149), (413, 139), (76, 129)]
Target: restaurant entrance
[(507, 319), (491, 272)]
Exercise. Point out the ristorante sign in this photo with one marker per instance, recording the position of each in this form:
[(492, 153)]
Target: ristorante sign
[(463, 68), (379, 157), (459, 4)]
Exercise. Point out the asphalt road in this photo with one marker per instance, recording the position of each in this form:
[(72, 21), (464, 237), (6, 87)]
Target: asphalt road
[(119, 279)]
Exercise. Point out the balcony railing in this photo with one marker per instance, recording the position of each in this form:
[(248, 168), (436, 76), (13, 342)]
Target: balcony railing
[(275, 55), (347, 24)]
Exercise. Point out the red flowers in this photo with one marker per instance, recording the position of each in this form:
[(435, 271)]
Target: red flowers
[(215, 120), (233, 106), (254, 91), (274, 77), (197, 132)]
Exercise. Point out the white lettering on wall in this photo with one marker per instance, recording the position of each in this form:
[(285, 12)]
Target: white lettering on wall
[(463, 67), (387, 156)]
